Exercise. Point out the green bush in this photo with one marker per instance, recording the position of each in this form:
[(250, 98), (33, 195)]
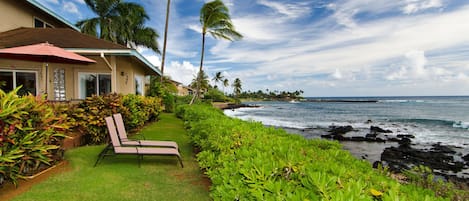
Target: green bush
[(30, 134), (169, 103), (141, 109), (248, 161), (136, 111), (215, 95)]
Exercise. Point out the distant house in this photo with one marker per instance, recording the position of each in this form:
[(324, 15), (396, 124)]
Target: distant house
[(181, 89), (117, 69)]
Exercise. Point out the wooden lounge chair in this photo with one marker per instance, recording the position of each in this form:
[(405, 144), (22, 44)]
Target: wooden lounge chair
[(145, 143), (116, 147)]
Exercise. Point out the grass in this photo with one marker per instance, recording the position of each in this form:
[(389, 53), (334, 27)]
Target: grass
[(120, 178)]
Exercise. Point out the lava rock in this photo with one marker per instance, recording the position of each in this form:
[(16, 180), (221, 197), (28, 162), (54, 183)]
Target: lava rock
[(443, 149), (405, 136), (340, 130), (402, 157), (377, 129)]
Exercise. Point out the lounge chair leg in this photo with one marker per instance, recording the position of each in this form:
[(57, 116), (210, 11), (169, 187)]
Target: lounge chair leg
[(140, 158), (180, 161), (102, 154)]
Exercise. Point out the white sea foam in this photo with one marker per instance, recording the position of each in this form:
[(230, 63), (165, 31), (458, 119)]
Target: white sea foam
[(401, 101), (461, 124)]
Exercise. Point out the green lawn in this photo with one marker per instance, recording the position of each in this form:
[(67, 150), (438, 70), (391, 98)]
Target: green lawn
[(120, 178)]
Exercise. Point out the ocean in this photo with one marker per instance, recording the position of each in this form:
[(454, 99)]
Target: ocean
[(429, 119)]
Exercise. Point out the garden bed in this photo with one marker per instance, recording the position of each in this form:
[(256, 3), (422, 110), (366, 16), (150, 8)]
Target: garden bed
[(8, 190)]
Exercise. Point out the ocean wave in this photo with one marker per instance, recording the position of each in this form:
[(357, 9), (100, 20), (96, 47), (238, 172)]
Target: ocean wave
[(460, 124), (401, 101), (436, 122)]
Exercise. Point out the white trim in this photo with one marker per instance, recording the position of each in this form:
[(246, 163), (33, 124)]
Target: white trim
[(53, 14), (97, 82), (43, 21), (117, 52)]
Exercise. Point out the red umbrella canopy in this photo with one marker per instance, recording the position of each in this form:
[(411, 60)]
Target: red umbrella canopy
[(44, 52)]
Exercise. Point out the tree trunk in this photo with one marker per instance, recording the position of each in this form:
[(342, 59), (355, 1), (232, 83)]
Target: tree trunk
[(196, 94), (165, 38)]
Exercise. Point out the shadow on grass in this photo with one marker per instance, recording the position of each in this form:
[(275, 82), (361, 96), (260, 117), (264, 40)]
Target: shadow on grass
[(119, 177)]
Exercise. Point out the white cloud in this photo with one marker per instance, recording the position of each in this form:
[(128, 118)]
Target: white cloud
[(70, 7), (289, 10), (414, 6), (182, 72), (153, 59), (337, 74), (81, 1), (51, 1)]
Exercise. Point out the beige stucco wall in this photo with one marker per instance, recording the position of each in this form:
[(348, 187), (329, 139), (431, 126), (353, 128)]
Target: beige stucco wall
[(19, 13), (38, 67), (127, 69)]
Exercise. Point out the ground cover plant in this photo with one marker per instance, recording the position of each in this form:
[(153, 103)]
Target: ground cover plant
[(119, 177), (248, 161)]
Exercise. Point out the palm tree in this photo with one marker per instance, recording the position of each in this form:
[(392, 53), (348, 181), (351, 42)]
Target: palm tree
[(165, 39), (120, 22), (218, 78), (225, 84), (202, 80), (237, 86), (215, 19)]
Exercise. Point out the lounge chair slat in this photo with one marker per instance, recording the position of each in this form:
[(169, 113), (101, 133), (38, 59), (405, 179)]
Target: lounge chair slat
[(119, 122), (135, 150)]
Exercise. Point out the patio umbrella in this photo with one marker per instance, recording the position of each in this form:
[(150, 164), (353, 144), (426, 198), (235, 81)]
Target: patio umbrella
[(44, 52)]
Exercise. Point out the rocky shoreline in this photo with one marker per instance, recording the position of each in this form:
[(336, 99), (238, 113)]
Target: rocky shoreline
[(395, 150), (398, 152)]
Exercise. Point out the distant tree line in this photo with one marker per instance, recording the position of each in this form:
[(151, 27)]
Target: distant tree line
[(272, 95)]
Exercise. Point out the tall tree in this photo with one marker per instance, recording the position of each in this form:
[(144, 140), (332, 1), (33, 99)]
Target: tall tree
[(218, 78), (226, 83), (120, 22), (163, 57), (202, 80), (215, 19), (237, 86)]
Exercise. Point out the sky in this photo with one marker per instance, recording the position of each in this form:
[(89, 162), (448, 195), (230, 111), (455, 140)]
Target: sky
[(327, 48)]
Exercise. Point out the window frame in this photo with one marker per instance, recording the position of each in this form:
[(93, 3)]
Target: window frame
[(141, 85), (97, 74), (46, 25), (15, 84)]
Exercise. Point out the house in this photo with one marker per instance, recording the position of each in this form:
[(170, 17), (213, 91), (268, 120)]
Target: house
[(117, 69), (181, 89)]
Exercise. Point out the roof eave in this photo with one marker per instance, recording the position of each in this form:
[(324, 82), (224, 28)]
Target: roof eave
[(118, 52), (53, 14)]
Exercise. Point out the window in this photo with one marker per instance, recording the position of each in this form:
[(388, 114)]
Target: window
[(138, 85), (94, 83), (38, 23), (59, 84), (13, 79)]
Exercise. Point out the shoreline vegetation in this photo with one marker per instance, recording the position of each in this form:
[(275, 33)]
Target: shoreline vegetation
[(249, 161)]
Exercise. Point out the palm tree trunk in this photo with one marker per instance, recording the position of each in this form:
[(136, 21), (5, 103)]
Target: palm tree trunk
[(196, 95), (165, 38)]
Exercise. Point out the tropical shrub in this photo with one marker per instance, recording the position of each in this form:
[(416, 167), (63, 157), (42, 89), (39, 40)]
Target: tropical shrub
[(135, 110), (91, 113), (248, 161), (215, 95), (30, 134), (169, 103)]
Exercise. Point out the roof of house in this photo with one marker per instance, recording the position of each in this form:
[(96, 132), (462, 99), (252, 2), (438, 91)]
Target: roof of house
[(52, 13), (69, 39), (60, 37)]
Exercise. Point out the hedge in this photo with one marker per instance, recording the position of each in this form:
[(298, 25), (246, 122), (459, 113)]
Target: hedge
[(248, 161)]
